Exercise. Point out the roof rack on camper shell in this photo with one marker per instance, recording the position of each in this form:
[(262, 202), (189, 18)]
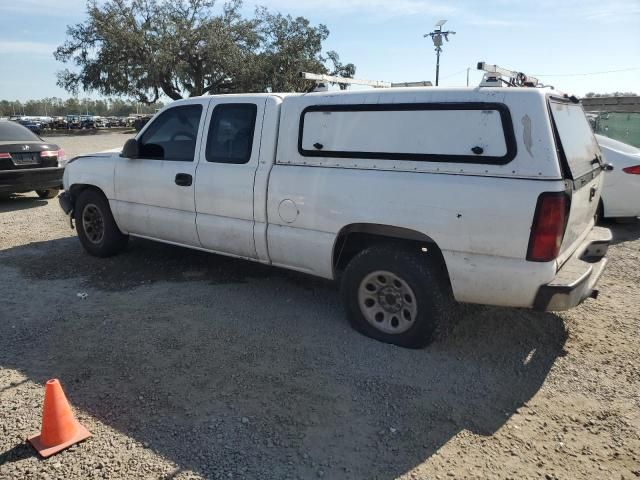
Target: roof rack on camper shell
[(495, 77), (322, 82)]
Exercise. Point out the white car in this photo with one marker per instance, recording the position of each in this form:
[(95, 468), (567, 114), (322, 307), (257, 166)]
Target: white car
[(621, 191)]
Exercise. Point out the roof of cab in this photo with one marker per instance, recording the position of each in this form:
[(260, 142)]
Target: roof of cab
[(382, 92)]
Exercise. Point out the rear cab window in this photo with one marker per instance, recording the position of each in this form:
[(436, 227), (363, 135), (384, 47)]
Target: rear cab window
[(576, 142), (231, 131)]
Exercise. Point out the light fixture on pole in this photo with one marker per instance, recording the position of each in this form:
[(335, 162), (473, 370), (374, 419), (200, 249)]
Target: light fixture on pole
[(437, 36)]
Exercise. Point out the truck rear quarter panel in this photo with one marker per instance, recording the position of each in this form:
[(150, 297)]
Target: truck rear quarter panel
[(481, 227)]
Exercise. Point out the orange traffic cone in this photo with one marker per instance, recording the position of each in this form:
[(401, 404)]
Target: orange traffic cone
[(60, 429)]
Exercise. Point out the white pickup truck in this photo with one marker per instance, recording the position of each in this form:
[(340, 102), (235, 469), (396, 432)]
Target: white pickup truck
[(411, 197)]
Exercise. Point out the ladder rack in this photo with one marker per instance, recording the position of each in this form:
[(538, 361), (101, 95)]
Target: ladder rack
[(494, 77), (322, 81)]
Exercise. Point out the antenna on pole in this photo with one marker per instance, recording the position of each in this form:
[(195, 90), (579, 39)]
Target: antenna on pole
[(437, 36)]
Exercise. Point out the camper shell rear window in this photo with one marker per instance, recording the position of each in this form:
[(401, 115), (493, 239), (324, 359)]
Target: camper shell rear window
[(576, 143), (430, 132)]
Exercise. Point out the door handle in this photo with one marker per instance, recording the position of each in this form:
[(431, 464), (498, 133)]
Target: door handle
[(184, 179)]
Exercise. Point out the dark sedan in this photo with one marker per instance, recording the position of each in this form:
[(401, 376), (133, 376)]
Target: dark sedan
[(28, 163)]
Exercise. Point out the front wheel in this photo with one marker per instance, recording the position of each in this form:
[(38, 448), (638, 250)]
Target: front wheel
[(97, 230), (395, 296), (49, 193)]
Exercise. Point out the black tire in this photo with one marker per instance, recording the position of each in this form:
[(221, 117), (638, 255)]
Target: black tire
[(97, 231), (432, 297), (50, 193), (5, 196)]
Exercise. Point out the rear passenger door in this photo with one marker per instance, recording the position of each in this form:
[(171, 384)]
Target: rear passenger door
[(225, 175), (155, 192)]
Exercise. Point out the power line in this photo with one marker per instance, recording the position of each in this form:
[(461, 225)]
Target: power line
[(585, 74), (454, 74)]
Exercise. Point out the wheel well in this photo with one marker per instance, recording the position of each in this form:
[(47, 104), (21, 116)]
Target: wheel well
[(356, 237), (76, 189)]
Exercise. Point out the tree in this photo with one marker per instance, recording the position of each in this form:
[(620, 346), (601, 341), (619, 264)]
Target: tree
[(58, 107), (144, 48), (340, 69)]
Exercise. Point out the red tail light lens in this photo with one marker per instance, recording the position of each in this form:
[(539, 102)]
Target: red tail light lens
[(5, 155), (547, 230), (55, 153), (635, 170)]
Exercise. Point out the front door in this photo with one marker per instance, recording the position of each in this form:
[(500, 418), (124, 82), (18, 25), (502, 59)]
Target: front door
[(155, 192), (225, 177)]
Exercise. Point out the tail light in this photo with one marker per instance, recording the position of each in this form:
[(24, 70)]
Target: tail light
[(547, 230), (55, 153), (5, 155), (635, 170)]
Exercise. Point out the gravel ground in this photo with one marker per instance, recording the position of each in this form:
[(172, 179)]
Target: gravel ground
[(189, 365)]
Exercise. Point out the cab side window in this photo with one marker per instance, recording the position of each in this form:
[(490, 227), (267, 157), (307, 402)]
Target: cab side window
[(231, 133), (172, 136)]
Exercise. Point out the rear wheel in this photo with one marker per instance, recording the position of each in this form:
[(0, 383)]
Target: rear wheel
[(395, 296), (97, 230), (49, 193)]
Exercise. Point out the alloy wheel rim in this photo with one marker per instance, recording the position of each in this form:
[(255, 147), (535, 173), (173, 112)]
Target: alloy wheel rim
[(93, 223), (387, 302)]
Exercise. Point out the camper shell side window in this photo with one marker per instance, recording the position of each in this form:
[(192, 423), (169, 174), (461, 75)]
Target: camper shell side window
[(466, 132)]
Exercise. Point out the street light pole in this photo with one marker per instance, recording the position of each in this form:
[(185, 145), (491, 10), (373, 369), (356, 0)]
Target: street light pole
[(437, 36)]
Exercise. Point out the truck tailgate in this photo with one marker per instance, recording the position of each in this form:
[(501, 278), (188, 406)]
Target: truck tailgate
[(581, 158)]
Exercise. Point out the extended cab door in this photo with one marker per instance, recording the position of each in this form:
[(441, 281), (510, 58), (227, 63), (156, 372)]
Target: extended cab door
[(155, 192), (225, 177)]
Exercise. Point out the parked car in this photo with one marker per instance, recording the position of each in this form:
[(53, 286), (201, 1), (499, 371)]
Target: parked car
[(411, 197), (88, 124), (621, 191), (28, 163), (35, 127)]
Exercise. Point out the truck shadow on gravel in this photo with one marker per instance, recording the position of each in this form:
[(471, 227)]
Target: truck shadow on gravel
[(627, 231), (229, 368)]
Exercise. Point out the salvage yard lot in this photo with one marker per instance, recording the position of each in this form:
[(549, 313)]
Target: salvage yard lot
[(190, 365)]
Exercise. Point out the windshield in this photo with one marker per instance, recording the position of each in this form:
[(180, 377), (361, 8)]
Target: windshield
[(14, 132), (576, 138)]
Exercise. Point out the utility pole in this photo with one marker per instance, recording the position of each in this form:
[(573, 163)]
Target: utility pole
[(436, 36)]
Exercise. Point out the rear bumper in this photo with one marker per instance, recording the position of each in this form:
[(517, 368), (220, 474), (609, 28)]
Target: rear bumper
[(25, 180), (576, 279)]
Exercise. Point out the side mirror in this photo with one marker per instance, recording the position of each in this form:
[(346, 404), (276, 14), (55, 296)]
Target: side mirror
[(131, 149)]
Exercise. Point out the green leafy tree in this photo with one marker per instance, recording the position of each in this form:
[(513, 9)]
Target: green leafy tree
[(145, 48)]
